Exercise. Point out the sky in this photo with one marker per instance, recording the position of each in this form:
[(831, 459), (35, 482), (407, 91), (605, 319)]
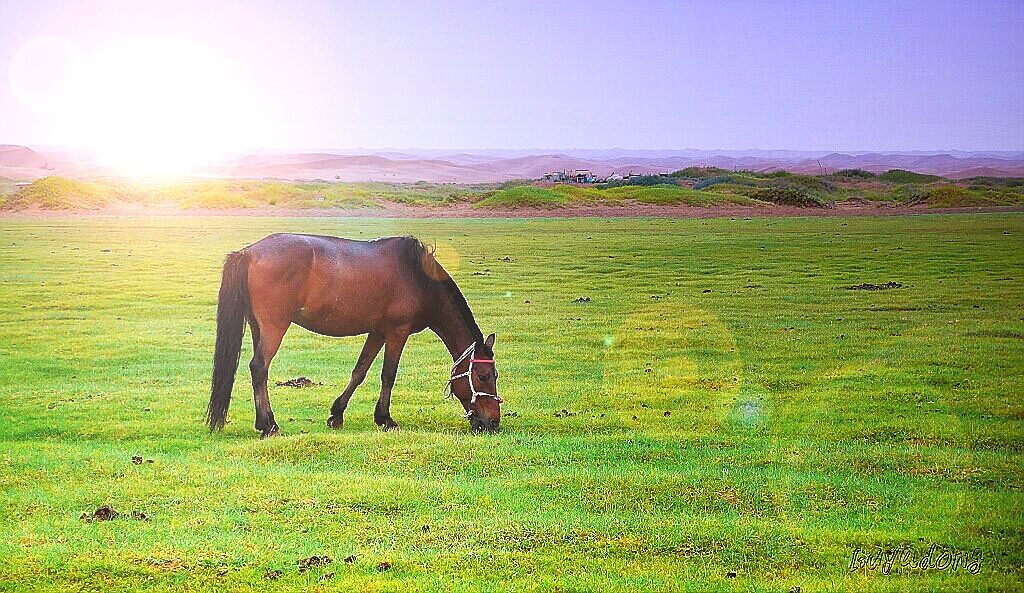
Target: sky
[(209, 76)]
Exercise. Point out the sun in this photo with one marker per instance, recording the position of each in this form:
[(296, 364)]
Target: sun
[(146, 107)]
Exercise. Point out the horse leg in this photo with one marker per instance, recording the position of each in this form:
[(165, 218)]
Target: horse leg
[(393, 346), (374, 342), (266, 341)]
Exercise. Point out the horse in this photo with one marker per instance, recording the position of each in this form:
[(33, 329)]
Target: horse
[(386, 288)]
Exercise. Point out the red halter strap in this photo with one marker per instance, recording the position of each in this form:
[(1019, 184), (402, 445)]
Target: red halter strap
[(481, 360)]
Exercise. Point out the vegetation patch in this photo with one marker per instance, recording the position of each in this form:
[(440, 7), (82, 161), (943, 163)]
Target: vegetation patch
[(953, 196), (904, 176), (787, 196), (524, 196), (844, 174), (643, 180), (59, 193), (699, 172)]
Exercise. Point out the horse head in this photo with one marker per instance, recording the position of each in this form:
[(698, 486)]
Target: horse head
[(474, 382)]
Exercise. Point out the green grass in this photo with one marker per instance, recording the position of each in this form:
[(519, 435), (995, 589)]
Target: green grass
[(804, 419), (524, 196), (574, 195), (56, 193)]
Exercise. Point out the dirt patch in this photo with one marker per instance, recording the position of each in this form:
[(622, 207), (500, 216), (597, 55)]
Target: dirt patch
[(313, 562), (869, 286), (103, 513), (107, 513), (298, 383)]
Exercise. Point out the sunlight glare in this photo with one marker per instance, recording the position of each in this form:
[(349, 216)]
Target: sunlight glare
[(161, 107)]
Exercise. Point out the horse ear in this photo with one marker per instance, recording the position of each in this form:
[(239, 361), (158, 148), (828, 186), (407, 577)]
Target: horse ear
[(489, 341)]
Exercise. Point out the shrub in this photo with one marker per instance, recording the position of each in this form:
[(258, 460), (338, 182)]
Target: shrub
[(904, 176), (641, 180), (787, 196), (651, 180), (853, 174), (712, 181), (698, 172), (995, 182)]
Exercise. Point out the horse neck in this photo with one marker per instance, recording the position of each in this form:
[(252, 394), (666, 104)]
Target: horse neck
[(451, 327)]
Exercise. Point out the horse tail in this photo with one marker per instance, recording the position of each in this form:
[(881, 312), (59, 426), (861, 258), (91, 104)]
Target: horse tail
[(232, 310)]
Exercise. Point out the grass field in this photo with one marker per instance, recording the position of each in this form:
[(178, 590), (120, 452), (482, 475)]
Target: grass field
[(723, 414)]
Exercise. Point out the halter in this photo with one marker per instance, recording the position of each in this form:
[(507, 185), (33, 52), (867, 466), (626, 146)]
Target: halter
[(469, 353)]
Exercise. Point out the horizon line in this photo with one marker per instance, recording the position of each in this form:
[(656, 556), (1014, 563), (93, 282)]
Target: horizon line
[(549, 150)]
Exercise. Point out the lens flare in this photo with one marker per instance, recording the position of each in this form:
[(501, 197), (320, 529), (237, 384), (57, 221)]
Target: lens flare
[(45, 72), (677, 356), (154, 106)]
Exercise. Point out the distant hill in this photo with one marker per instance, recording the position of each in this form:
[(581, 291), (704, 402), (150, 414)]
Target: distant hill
[(20, 162), (483, 166), (12, 155)]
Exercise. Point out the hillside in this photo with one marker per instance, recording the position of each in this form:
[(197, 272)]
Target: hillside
[(691, 186)]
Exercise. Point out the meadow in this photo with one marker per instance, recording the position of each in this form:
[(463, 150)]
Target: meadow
[(690, 405)]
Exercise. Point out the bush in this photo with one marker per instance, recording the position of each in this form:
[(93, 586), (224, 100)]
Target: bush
[(812, 185), (904, 176), (712, 181), (641, 180), (995, 182), (853, 174), (787, 196), (698, 172)]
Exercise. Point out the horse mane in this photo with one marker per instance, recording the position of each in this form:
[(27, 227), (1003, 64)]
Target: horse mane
[(431, 275)]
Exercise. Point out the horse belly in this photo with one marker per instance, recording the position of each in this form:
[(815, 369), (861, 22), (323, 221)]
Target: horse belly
[(340, 312), (347, 305)]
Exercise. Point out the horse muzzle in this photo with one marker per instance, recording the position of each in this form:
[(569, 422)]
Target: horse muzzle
[(481, 425)]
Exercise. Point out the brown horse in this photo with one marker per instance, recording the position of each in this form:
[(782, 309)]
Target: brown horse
[(386, 288)]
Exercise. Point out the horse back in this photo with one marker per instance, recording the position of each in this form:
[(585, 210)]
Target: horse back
[(337, 286)]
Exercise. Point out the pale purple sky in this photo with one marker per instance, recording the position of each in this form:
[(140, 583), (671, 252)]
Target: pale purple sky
[(865, 75)]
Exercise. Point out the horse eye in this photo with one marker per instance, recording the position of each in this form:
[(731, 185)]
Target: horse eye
[(483, 378)]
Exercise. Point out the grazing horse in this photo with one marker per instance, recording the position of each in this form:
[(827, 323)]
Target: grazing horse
[(386, 288)]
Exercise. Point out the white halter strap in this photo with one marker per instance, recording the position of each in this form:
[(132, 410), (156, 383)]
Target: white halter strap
[(469, 376)]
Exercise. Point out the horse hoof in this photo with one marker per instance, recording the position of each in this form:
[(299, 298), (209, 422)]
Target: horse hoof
[(273, 431), (389, 425), (335, 422)]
